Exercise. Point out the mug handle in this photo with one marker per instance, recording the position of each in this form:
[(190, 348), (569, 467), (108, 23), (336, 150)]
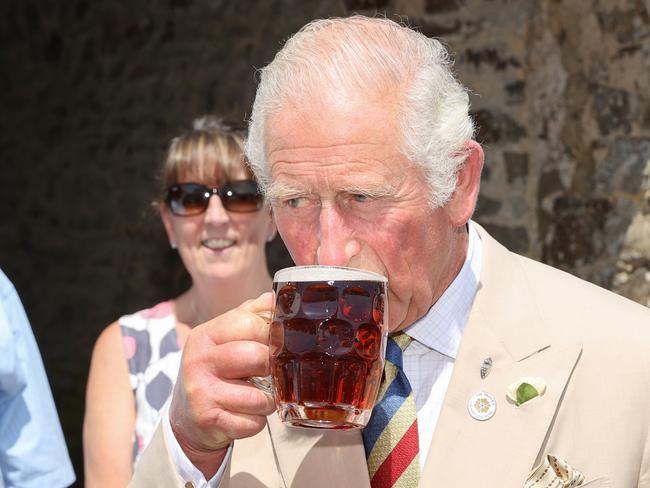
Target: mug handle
[(264, 383)]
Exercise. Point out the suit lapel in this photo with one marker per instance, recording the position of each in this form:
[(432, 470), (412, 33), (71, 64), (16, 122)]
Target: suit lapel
[(506, 326), (319, 458)]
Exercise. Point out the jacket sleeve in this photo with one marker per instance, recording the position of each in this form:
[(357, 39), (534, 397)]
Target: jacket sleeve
[(156, 467)]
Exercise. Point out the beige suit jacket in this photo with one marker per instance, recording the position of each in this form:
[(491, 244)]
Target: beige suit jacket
[(592, 348)]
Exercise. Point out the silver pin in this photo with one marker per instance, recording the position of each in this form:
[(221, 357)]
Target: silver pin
[(485, 367)]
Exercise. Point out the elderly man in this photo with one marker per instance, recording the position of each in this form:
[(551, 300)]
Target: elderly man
[(521, 375)]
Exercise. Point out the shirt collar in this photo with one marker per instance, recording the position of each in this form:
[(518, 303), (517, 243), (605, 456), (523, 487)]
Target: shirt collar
[(441, 328)]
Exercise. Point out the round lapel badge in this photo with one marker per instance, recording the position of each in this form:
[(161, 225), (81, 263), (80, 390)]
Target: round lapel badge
[(482, 405)]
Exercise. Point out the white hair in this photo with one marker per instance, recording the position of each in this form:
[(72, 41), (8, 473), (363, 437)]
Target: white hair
[(372, 55)]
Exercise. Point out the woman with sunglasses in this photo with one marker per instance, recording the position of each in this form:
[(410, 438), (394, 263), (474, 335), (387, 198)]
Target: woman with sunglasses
[(215, 217)]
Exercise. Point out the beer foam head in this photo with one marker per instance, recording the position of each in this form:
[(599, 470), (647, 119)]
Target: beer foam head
[(326, 273)]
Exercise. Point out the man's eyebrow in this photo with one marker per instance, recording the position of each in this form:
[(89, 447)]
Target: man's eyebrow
[(282, 191), (374, 188), (370, 191)]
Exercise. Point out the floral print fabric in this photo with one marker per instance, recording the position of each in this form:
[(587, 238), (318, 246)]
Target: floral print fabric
[(153, 355)]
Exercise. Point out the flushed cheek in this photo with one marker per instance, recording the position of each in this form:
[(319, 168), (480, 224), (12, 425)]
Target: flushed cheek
[(301, 242), (400, 293), (403, 264)]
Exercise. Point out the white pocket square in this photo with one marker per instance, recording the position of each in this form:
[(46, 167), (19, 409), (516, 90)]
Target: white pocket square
[(554, 472)]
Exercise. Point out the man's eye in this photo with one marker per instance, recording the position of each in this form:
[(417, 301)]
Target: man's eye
[(297, 202), (358, 197)]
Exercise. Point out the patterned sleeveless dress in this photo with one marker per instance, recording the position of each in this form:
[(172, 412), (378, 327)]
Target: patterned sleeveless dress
[(153, 354)]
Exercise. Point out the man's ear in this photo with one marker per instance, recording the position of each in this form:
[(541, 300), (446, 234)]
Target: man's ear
[(272, 229), (463, 201)]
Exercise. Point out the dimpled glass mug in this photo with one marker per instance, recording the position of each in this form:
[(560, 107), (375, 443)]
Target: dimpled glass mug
[(327, 344)]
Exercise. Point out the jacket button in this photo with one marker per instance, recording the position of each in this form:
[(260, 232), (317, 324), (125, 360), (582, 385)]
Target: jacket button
[(189, 484)]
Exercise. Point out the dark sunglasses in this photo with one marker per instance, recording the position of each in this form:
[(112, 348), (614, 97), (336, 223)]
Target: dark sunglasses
[(240, 196)]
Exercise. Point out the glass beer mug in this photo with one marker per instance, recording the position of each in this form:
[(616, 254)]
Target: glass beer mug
[(327, 345)]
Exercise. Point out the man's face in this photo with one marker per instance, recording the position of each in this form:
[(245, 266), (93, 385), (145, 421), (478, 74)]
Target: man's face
[(342, 194)]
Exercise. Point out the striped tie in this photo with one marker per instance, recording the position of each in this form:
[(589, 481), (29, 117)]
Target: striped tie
[(391, 436)]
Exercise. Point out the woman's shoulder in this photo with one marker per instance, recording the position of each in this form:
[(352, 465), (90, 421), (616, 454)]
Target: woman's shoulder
[(109, 340)]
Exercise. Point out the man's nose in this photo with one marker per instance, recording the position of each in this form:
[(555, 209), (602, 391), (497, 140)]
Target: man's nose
[(337, 246)]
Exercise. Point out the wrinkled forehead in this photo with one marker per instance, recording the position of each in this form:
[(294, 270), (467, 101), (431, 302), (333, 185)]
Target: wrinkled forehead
[(340, 149), (330, 119)]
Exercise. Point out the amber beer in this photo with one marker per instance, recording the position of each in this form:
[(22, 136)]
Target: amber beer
[(327, 344)]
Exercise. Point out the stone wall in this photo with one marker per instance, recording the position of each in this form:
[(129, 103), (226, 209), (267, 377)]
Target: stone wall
[(92, 91)]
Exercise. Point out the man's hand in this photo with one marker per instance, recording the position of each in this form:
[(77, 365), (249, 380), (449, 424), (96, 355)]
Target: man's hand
[(213, 402)]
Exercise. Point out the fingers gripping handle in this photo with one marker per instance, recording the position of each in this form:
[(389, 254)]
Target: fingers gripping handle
[(264, 383)]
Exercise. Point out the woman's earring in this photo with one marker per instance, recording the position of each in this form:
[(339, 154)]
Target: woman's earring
[(172, 244)]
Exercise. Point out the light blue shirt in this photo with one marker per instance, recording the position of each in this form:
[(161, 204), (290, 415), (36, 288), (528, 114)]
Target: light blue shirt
[(33, 452)]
